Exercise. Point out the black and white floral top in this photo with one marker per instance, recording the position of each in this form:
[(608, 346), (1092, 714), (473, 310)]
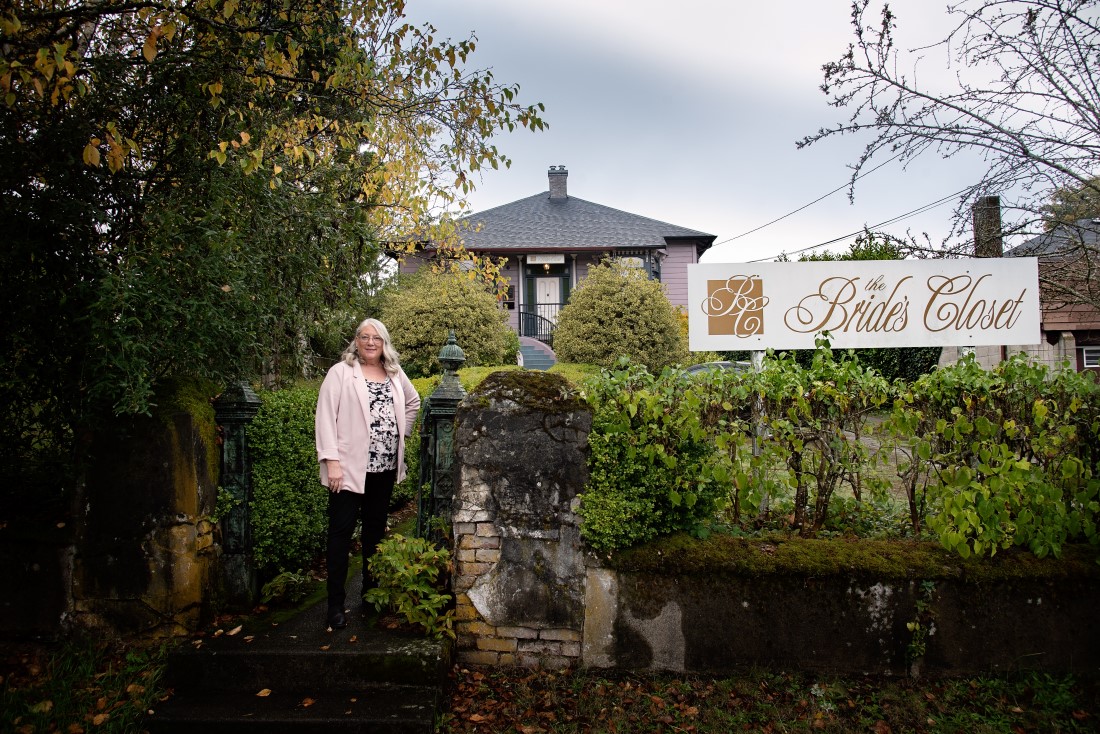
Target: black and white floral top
[(382, 454)]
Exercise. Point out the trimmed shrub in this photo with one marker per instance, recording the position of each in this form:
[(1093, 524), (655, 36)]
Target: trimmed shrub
[(618, 311), (650, 461), (425, 306), (288, 502)]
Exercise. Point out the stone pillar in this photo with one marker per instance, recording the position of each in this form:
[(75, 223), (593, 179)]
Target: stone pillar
[(521, 461), (145, 559), (437, 445), (235, 408)]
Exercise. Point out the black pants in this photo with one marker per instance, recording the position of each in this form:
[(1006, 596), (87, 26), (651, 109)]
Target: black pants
[(345, 509)]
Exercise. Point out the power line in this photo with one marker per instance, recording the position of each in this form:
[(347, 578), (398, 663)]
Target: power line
[(914, 212), (807, 206)]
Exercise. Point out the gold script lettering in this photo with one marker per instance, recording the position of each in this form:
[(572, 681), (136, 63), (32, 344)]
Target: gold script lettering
[(960, 303), (835, 307), (735, 306)]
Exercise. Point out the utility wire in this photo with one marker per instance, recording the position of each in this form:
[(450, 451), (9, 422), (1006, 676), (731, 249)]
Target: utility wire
[(914, 212), (807, 206)]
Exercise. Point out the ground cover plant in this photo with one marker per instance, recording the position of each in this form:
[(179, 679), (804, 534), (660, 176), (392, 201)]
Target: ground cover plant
[(80, 685), (590, 701)]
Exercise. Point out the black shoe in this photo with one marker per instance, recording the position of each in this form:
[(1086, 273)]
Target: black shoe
[(337, 620)]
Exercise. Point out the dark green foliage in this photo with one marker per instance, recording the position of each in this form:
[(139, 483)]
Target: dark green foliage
[(1004, 457), (405, 491), (288, 586), (617, 312), (421, 311), (649, 459), (288, 502), (412, 575)]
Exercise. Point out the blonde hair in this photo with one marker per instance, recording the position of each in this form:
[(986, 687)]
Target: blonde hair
[(391, 361)]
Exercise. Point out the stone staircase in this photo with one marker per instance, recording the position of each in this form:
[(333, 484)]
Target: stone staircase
[(536, 355), (298, 677)]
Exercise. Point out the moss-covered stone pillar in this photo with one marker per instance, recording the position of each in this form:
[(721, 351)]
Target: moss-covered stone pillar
[(521, 452), (145, 557)]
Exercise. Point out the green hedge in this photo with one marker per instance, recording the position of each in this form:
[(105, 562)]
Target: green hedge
[(980, 459), (289, 503)]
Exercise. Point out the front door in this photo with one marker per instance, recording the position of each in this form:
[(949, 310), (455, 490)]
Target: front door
[(548, 297)]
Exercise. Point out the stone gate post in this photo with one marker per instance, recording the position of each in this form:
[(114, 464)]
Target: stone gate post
[(521, 447)]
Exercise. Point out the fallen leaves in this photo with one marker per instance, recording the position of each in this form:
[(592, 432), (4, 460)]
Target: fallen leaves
[(264, 692)]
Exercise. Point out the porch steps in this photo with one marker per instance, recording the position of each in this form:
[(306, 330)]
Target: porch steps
[(536, 355), (297, 676)]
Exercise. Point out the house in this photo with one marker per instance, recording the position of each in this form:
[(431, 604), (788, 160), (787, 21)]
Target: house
[(551, 239), (1069, 256)]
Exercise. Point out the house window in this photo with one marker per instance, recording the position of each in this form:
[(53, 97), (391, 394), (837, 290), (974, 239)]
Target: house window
[(1090, 356), (510, 298), (642, 261)]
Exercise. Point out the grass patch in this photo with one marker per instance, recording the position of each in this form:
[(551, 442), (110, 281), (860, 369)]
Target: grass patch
[(81, 685)]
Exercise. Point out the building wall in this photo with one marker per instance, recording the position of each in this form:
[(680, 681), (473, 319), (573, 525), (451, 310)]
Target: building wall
[(1050, 355), (674, 272)]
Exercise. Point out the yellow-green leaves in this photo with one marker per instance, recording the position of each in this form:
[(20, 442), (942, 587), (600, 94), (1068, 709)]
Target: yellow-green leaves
[(91, 152)]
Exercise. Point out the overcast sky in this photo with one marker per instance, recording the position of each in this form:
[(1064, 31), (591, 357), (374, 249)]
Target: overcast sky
[(688, 113)]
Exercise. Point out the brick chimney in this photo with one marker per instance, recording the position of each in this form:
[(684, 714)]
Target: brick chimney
[(988, 240), (558, 176)]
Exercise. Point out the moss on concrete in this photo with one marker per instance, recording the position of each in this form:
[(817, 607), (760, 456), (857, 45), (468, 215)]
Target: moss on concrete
[(532, 390), (193, 396), (682, 555)]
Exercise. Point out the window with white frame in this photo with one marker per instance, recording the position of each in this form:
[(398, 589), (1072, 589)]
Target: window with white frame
[(1090, 356)]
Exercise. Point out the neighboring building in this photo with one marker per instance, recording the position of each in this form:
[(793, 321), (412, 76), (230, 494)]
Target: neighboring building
[(1069, 255), (551, 239)]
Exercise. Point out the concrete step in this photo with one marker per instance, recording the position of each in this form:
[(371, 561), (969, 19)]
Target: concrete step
[(389, 709), (364, 678), (537, 357), (361, 664)]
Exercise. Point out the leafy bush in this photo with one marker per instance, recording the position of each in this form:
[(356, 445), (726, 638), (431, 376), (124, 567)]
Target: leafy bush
[(289, 586), (987, 459), (288, 502), (425, 306), (617, 311), (1003, 457), (815, 420), (410, 573), (649, 459)]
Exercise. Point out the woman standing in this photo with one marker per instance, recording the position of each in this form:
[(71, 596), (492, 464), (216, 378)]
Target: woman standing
[(365, 409)]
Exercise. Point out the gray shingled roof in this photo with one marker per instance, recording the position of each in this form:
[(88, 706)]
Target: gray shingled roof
[(539, 223), (1062, 240)]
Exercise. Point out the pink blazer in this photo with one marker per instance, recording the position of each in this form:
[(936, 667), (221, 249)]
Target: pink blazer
[(342, 424)]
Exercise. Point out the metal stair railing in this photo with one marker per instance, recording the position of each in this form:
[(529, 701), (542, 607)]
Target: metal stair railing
[(539, 323)]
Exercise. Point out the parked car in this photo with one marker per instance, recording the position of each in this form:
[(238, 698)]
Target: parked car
[(717, 366)]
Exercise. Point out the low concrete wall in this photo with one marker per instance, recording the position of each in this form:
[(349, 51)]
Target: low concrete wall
[(1013, 614), (529, 594)]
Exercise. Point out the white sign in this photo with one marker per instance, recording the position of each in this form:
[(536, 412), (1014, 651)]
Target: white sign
[(546, 259), (863, 303)]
